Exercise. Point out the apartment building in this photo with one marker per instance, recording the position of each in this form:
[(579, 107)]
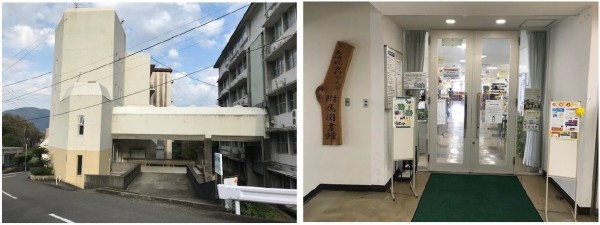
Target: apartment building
[(257, 68)]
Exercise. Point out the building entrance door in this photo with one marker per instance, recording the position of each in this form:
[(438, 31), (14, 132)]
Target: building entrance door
[(472, 98)]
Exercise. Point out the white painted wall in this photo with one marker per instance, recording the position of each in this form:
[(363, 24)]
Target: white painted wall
[(137, 75), (364, 158), (573, 75)]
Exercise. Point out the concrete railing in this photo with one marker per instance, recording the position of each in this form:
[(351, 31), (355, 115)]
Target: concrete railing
[(121, 181), (204, 190), (161, 162)]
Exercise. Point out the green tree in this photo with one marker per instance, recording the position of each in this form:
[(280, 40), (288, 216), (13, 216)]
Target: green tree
[(190, 149), (16, 130)]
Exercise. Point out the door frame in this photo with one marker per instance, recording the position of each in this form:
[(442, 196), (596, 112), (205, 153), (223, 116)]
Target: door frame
[(473, 52)]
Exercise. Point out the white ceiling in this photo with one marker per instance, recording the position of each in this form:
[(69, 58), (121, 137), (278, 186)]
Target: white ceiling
[(476, 15)]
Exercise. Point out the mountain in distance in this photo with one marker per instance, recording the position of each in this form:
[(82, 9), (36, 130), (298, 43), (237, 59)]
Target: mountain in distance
[(30, 113)]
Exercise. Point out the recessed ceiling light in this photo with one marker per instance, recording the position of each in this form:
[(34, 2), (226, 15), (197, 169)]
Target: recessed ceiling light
[(450, 21), (500, 21), (461, 60), (492, 68), (483, 56)]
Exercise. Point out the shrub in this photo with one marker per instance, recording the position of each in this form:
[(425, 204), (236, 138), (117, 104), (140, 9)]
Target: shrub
[(42, 171)]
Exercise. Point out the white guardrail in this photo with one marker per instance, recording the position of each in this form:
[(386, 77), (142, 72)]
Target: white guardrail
[(257, 194)]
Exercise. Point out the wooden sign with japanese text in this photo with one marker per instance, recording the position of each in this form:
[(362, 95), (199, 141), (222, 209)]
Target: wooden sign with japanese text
[(329, 93)]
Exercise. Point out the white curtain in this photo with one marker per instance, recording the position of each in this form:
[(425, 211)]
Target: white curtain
[(537, 71)]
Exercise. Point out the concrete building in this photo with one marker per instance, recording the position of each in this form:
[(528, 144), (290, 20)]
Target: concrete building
[(257, 68), (93, 124)]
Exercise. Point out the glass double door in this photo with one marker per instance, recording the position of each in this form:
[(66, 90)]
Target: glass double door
[(472, 101)]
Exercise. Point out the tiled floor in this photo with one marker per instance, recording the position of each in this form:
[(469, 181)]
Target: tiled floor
[(330, 206)]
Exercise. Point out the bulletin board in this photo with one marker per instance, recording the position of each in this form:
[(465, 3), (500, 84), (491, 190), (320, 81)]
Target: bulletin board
[(393, 75), (404, 126), (564, 132)]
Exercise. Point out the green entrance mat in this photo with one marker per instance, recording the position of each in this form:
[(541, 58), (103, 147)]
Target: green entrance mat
[(474, 198)]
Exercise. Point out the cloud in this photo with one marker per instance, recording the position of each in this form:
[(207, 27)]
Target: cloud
[(212, 28), (23, 70), (23, 36), (173, 53), (188, 92), (207, 43)]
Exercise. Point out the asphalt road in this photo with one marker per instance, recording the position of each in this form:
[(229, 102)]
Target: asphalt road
[(38, 202)]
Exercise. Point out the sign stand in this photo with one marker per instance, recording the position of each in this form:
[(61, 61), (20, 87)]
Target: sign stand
[(562, 146), (404, 125)]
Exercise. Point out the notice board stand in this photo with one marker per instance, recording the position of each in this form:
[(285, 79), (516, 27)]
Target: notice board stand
[(562, 146), (404, 123)]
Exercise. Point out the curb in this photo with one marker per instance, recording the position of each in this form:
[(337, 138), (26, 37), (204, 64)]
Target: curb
[(219, 211), (204, 206)]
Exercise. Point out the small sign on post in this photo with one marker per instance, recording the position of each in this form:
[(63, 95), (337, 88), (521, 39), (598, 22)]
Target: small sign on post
[(218, 160)]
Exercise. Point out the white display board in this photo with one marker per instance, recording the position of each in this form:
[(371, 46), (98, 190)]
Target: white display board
[(403, 128), (564, 132), (393, 73)]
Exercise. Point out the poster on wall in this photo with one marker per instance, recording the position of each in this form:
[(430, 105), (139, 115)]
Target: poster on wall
[(441, 111), (415, 80), (493, 111), (451, 73), (403, 112), (532, 109), (393, 71), (564, 122)]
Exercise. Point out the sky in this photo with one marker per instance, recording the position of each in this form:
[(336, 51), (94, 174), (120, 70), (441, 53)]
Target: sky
[(28, 45)]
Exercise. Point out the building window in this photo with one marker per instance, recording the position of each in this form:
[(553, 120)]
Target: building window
[(292, 98), (79, 164), (281, 140), (81, 124), (278, 29), (290, 59), (289, 17), (278, 67), (281, 103), (293, 146)]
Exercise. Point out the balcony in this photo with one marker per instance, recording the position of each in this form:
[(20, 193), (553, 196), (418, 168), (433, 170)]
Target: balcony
[(242, 76), (235, 153), (284, 122), (274, 12), (237, 57), (277, 48), (224, 73), (242, 101), (282, 82)]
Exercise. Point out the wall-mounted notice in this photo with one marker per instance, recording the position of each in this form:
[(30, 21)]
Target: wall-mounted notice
[(393, 72), (451, 73), (532, 109), (403, 112), (564, 122), (493, 111), (415, 80), (441, 111)]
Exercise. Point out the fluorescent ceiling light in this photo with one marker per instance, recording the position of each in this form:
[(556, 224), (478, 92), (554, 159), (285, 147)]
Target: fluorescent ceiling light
[(500, 21), (450, 21), (461, 60), (483, 56), (492, 68)]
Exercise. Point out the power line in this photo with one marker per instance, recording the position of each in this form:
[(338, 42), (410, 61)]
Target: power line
[(149, 47), (26, 54), (182, 72), (107, 101), (213, 12), (21, 81)]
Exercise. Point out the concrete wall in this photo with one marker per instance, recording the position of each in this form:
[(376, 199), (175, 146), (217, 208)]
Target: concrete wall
[(573, 75), (137, 72), (364, 158), (256, 79), (162, 83), (204, 190), (113, 181), (187, 123)]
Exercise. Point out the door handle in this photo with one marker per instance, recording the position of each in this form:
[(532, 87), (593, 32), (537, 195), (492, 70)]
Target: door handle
[(478, 114)]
